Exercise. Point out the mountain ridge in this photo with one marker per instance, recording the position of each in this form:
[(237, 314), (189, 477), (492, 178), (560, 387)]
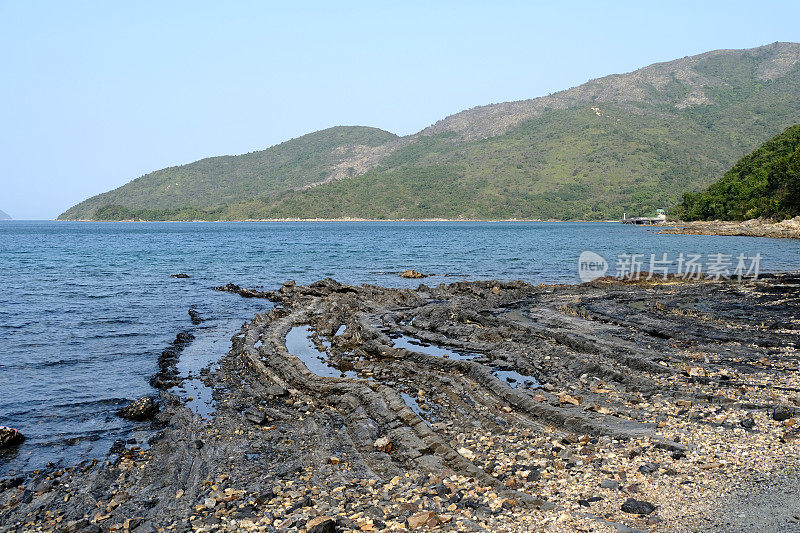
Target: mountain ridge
[(4, 215), (690, 117)]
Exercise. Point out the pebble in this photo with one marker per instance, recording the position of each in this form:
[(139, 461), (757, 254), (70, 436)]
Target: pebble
[(637, 507), (609, 484)]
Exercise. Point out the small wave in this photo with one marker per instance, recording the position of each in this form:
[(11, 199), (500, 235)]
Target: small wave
[(111, 402)]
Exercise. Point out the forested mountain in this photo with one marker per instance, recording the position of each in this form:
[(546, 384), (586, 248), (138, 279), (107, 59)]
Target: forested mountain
[(626, 142), (765, 183)]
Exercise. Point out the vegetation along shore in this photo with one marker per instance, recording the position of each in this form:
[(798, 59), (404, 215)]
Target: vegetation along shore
[(785, 229)]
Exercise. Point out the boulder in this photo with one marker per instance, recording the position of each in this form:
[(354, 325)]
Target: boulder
[(9, 437), (139, 410)]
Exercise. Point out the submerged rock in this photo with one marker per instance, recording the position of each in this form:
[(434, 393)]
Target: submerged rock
[(9, 437), (139, 410), (180, 276), (195, 317)]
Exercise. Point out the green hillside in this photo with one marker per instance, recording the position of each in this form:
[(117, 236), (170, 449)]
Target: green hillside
[(624, 143), (203, 189), (765, 183)]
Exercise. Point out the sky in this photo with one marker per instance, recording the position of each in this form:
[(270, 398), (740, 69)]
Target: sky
[(95, 94)]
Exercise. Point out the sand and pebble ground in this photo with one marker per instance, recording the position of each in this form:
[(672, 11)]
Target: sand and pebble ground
[(665, 405)]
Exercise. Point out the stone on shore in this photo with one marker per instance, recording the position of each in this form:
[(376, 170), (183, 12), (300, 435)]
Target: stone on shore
[(633, 506), (322, 524), (140, 410), (418, 520)]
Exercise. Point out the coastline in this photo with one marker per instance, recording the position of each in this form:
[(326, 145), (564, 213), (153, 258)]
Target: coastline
[(787, 229), (353, 219), (641, 398)]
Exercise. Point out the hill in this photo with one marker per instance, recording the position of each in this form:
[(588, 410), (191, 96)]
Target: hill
[(206, 188), (765, 183), (4, 216), (626, 142)]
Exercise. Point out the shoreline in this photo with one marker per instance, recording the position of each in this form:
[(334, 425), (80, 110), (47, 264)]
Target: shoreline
[(526, 220), (787, 229), (640, 398)]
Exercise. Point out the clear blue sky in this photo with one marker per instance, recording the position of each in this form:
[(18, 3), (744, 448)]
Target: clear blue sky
[(94, 94)]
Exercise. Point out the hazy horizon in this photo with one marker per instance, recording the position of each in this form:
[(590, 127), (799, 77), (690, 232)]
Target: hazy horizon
[(96, 95)]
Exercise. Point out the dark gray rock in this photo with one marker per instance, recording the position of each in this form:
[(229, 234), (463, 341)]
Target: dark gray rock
[(637, 507), (9, 437), (255, 415), (141, 409), (195, 317), (275, 390), (609, 484), (649, 468), (781, 413), (11, 482)]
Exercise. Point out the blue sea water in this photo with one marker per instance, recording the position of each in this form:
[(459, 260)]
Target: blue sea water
[(86, 308)]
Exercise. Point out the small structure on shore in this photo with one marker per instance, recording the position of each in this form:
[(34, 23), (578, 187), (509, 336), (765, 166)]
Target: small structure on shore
[(645, 221)]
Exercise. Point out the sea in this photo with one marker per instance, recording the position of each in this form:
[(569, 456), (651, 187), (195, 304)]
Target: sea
[(86, 308)]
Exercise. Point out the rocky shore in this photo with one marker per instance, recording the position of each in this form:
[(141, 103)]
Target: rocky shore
[(787, 229), (477, 406)]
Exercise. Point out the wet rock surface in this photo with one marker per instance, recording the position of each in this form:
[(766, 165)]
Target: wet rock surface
[(141, 409), (412, 274), (640, 394), (168, 375), (9, 437)]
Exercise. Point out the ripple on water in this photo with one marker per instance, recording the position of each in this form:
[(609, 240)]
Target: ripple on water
[(96, 299)]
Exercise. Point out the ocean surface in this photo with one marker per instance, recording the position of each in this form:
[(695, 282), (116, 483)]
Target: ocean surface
[(86, 308)]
